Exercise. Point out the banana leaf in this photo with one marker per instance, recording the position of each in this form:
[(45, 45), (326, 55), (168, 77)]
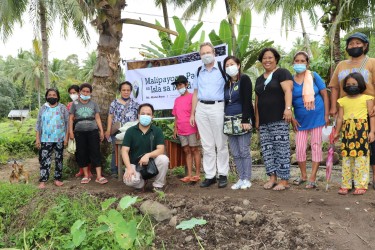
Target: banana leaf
[(244, 29), (179, 43)]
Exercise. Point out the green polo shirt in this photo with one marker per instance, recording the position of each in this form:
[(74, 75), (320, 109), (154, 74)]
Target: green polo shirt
[(140, 143)]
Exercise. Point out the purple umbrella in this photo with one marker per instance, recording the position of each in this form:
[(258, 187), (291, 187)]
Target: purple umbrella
[(329, 162)]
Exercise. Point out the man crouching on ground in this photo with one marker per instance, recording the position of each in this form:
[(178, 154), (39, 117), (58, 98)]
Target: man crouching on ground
[(148, 140)]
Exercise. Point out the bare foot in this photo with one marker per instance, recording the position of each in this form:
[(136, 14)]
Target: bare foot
[(270, 184), (42, 185), (59, 183)]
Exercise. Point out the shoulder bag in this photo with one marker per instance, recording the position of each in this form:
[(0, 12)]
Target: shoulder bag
[(150, 170), (232, 125)]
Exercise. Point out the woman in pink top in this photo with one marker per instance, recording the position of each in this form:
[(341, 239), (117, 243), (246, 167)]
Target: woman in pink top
[(187, 134)]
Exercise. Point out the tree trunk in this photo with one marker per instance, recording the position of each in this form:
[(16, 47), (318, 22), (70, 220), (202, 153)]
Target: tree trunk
[(335, 49), (230, 20), (165, 15), (43, 33), (305, 36), (107, 69)]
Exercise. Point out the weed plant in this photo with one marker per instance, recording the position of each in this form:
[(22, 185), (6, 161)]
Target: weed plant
[(70, 221), (12, 197)]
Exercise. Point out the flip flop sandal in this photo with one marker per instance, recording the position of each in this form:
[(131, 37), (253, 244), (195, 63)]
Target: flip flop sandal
[(195, 178), (186, 179), (269, 185), (359, 191), (101, 181), (311, 185), (298, 181), (85, 180), (343, 191)]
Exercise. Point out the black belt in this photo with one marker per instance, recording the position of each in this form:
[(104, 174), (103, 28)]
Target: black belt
[(210, 102)]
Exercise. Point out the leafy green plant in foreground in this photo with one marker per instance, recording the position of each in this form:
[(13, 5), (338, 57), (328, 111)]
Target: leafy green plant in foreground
[(190, 224), (12, 197), (81, 222)]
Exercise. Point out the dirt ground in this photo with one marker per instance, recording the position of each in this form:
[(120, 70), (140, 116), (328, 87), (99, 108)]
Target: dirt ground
[(249, 219)]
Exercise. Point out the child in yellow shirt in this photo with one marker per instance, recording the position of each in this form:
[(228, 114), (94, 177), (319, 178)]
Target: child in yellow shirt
[(353, 122)]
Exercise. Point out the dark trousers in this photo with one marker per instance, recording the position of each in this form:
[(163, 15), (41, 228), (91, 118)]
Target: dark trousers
[(45, 159), (87, 148)]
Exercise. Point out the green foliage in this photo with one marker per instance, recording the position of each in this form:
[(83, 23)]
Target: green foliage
[(168, 127), (190, 224), (12, 198), (179, 171), (80, 222), (182, 44), (17, 139), (6, 105)]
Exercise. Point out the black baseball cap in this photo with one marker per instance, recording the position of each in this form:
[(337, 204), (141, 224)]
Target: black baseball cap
[(359, 36), (180, 79)]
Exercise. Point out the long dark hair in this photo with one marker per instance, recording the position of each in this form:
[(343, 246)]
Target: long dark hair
[(238, 62), (359, 78)]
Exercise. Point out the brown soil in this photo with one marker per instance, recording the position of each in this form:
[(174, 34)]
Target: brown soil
[(291, 219)]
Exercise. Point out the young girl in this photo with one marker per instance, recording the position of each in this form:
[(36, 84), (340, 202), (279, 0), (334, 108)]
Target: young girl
[(353, 122)]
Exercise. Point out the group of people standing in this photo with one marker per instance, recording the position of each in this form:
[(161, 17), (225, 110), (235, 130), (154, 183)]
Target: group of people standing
[(221, 110)]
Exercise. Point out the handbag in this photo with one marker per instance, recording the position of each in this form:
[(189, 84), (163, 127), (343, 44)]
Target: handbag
[(115, 128), (71, 146), (150, 170), (232, 125)]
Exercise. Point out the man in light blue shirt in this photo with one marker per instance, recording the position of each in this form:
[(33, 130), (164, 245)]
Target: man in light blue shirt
[(208, 113)]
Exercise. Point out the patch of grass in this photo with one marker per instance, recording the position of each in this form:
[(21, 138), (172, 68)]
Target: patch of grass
[(82, 221), (17, 140), (232, 176), (8, 128), (12, 197)]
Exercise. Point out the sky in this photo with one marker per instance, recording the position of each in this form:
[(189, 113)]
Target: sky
[(134, 36)]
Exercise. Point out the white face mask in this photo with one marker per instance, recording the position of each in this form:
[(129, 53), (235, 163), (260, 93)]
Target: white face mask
[(232, 70), (74, 97), (207, 58), (182, 91)]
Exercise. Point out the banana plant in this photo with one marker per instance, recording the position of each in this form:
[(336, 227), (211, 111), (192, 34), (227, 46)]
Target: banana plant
[(247, 51), (182, 44), (225, 35)]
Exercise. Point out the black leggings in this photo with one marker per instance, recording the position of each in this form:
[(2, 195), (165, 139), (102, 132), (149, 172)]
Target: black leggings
[(87, 148)]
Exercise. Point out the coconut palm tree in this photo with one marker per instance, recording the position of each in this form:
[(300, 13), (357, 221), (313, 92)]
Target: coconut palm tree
[(43, 15), (86, 72), (27, 69), (292, 10)]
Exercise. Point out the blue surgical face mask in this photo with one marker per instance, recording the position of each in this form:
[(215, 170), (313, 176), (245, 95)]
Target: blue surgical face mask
[(299, 68), (145, 120), (182, 91), (84, 97)]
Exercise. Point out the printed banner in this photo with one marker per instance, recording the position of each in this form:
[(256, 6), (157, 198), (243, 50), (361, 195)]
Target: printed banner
[(152, 79)]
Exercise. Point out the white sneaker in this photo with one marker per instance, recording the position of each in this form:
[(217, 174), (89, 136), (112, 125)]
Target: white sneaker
[(245, 184), (238, 185)]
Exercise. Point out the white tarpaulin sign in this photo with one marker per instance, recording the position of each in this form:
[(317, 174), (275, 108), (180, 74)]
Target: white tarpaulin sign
[(151, 79)]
